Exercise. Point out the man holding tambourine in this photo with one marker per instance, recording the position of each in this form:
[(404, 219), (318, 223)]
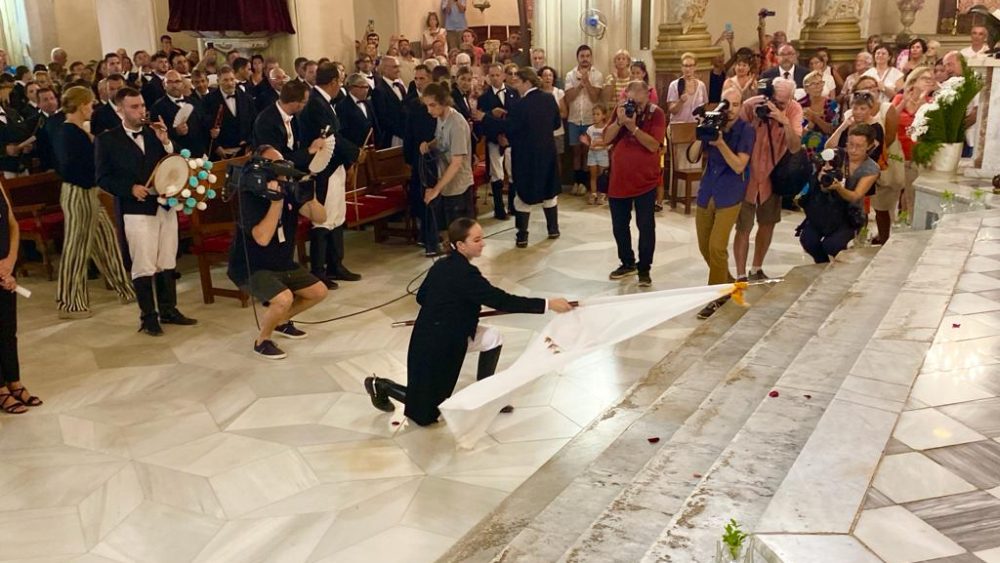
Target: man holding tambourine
[(126, 158)]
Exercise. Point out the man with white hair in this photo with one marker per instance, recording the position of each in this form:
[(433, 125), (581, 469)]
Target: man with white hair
[(862, 62), (265, 97), (775, 136), (978, 50), (58, 55), (462, 60)]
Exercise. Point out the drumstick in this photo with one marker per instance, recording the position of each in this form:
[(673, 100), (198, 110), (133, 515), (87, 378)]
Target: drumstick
[(482, 315)]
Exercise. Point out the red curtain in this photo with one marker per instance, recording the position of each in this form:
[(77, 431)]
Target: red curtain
[(247, 16)]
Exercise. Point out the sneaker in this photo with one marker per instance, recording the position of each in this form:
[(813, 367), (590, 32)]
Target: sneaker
[(712, 307), (645, 280), (742, 279), (288, 330), (759, 275), (269, 351), (622, 272)]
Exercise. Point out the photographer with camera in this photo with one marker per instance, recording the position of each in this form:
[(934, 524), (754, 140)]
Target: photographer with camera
[(261, 259), (730, 142), (637, 132), (833, 201), (777, 121)]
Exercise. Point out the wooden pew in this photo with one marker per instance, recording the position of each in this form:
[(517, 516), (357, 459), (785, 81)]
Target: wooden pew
[(35, 202), (379, 193)]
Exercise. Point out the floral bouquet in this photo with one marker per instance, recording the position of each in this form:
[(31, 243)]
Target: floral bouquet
[(942, 120)]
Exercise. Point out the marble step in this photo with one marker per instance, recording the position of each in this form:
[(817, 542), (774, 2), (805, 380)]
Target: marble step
[(744, 477), (627, 526), (484, 541), (817, 505)]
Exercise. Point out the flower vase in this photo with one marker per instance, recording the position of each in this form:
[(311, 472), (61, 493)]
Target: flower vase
[(745, 555), (945, 160), (978, 202), (907, 15)]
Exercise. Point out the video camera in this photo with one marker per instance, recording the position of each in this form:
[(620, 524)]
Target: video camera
[(833, 158), (255, 174), (765, 13), (711, 123), (765, 87)]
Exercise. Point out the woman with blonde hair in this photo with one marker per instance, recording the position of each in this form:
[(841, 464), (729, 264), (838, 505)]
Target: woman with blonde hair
[(902, 172), (89, 232), (687, 92), (619, 77)]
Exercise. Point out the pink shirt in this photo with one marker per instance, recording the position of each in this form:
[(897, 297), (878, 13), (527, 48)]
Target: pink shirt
[(762, 160)]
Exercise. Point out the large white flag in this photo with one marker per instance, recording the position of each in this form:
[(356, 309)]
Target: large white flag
[(597, 322)]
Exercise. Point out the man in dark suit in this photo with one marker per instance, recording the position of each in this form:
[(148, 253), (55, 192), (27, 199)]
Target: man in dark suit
[(530, 124), (19, 95), (277, 126), (155, 87), (231, 110), (461, 91), (241, 69), (318, 120), (788, 66), (420, 128), (50, 123), (125, 159), (268, 91), (356, 114), (494, 101), (105, 116), (387, 98), (447, 327), (191, 134), (29, 111)]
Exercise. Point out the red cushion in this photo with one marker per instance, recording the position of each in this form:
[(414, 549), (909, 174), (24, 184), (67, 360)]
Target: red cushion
[(371, 205), (218, 244), (52, 223), (184, 221)]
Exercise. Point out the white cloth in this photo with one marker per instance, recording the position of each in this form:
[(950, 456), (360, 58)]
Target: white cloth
[(486, 339), (596, 323), (336, 200), (495, 155), (152, 241), (289, 134), (522, 207)]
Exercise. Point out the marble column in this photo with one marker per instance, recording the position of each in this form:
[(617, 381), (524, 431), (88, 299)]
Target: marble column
[(834, 25), (682, 31)]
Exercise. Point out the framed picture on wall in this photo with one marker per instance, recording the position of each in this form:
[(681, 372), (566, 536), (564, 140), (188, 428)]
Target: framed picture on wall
[(947, 9)]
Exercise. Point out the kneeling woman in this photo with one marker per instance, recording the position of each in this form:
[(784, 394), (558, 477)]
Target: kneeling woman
[(448, 326), (833, 221)]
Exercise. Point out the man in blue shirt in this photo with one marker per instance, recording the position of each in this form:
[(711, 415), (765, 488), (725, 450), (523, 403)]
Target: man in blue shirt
[(454, 21), (721, 191)]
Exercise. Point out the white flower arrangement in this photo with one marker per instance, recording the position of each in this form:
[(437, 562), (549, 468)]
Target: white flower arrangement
[(942, 119)]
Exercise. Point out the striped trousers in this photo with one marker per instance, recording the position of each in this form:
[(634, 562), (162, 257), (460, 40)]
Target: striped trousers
[(89, 234)]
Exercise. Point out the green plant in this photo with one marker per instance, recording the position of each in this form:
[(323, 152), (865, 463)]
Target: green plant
[(947, 196), (942, 120), (733, 538)]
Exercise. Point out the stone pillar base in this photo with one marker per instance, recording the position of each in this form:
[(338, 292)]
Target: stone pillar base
[(671, 43), (842, 37)]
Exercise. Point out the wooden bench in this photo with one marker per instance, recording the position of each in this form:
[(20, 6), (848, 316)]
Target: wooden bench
[(380, 193), (35, 202)]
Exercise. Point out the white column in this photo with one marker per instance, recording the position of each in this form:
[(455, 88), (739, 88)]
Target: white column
[(127, 24)]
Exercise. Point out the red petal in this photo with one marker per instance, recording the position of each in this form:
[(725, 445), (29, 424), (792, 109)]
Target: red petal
[(808, 396), (395, 423), (772, 394), (653, 440), (696, 475), (956, 325)]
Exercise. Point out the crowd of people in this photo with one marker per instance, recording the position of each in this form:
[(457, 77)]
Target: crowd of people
[(106, 123)]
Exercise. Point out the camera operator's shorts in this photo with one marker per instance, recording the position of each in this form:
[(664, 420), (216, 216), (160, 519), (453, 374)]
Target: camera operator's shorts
[(265, 284), (766, 212)]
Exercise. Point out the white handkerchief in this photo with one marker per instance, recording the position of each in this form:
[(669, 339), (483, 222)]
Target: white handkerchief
[(321, 159), (183, 114)]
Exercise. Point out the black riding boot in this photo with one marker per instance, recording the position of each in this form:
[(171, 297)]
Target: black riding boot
[(380, 390), (499, 212), (319, 256), (510, 199), (166, 297), (521, 222), (149, 322), (552, 221), (488, 361), (336, 269)]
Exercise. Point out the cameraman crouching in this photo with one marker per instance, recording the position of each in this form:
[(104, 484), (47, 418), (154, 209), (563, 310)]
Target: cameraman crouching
[(261, 259), (722, 188), (834, 199)]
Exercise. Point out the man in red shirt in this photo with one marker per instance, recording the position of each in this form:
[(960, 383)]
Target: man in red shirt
[(635, 173)]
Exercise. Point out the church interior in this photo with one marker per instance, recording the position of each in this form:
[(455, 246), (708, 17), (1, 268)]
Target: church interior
[(842, 408)]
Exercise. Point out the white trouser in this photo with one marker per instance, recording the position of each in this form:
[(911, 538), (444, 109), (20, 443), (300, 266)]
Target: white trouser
[(522, 207), (336, 200), (152, 242), (487, 338), (496, 161)]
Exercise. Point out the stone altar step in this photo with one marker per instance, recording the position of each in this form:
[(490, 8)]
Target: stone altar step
[(556, 483), (744, 476)]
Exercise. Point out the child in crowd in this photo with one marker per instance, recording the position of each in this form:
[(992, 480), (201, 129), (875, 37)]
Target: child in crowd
[(597, 157)]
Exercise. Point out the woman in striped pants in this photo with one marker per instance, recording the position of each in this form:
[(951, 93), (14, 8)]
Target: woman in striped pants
[(89, 232)]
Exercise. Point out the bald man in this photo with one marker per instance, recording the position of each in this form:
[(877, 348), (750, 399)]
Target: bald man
[(788, 67), (187, 133), (268, 91)]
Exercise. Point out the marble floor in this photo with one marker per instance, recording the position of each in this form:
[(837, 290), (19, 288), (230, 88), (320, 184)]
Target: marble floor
[(188, 448), (936, 495)]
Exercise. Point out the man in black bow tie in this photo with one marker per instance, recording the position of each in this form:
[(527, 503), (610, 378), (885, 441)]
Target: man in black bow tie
[(105, 115), (187, 133), (231, 110)]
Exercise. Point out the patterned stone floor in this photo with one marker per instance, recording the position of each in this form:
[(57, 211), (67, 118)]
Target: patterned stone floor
[(936, 496), (188, 448)]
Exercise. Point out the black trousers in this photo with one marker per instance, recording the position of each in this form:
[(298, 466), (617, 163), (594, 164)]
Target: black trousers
[(645, 220), (822, 248), (10, 366)]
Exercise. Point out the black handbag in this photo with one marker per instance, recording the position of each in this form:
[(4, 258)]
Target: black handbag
[(792, 172)]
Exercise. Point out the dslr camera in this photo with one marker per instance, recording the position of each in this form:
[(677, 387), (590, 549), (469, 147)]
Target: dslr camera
[(255, 174), (765, 13), (711, 123), (630, 108), (764, 88), (833, 158)]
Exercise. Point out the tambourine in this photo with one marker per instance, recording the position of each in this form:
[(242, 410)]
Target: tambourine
[(170, 175), (183, 183)]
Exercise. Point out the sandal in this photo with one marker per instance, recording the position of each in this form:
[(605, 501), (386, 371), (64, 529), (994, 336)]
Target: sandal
[(27, 399), (11, 405), (592, 199)]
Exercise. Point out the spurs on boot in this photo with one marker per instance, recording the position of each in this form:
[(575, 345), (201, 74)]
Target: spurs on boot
[(379, 400)]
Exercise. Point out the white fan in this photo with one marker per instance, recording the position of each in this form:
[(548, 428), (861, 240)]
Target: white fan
[(593, 23)]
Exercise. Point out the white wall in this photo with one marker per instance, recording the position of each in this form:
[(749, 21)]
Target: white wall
[(127, 24)]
